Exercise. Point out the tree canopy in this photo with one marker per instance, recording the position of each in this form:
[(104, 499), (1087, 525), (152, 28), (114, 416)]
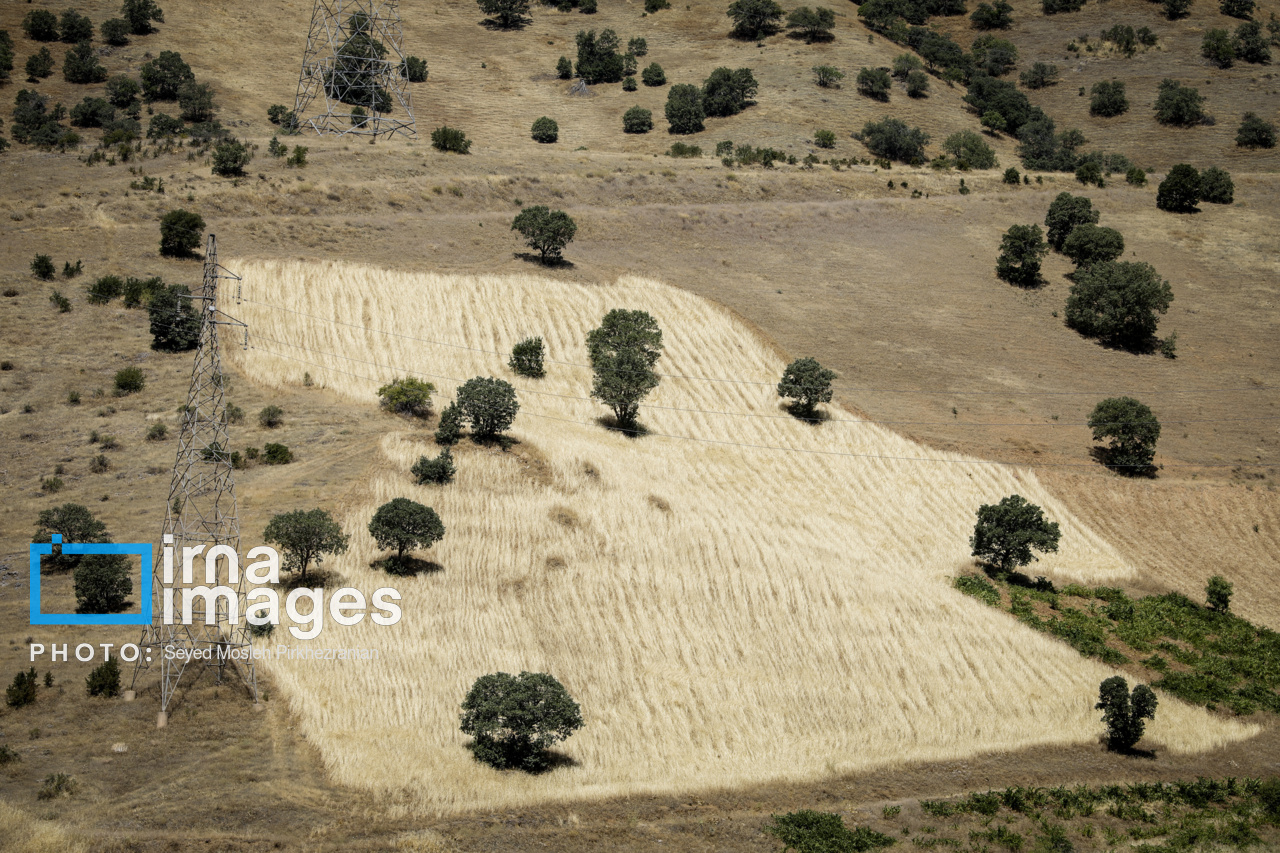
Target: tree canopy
[(1022, 248), (753, 19), (514, 719), (1124, 712), (1131, 429), (546, 230), (623, 351), (808, 383), (305, 536), (405, 525), (489, 404), (1009, 533)]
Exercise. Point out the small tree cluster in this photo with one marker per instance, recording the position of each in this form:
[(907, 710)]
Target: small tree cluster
[(407, 396), (874, 83), (970, 151), (163, 76), (1039, 76), (1178, 105), (104, 680), (450, 139), (684, 109), (1108, 99), (727, 92), (892, 139), (81, 65), (180, 233), (812, 24), (988, 16), (439, 470), (599, 59), (22, 691), (488, 404), (1255, 132), (1118, 302), (174, 323), (230, 156)]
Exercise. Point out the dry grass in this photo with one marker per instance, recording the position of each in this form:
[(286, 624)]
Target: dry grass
[(24, 834), (788, 618)]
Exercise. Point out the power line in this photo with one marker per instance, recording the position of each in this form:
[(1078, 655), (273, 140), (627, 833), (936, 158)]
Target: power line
[(938, 391), (779, 448), (856, 421)]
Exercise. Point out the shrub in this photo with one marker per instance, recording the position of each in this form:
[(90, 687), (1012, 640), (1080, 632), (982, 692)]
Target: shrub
[(489, 404), (598, 58), (1216, 186), (1218, 594), (157, 432), (527, 357), (52, 485), (39, 65), (174, 323), (970, 151), (414, 69), (276, 148), (1039, 76), (874, 83), (653, 6), (653, 75), (115, 32), (1178, 105), (827, 76), (1053, 7), (449, 430), (1008, 533), (807, 383), (1117, 301), (564, 68), (92, 112), (450, 139), (1251, 45), (545, 130), (891, 139), (994, 55), (276, 454), (139, 14), (42, 267), (405, 525), (506, 13), (230, 157), (1175, 9), (816, 832), (904, 64), (1136, 177), (196, 102), (515, 719), (986, 95), (1124, 712), (980, 588), (62, 302), (727, 92), (57, 785), (162, 126), (684, 109), (1218, 48), (104, 680), (1108, 99), (917, 84), (74, 27), (629, 84), (23, 689), (8, 755), (130, 380), (681, 150), (123, 91), (81, 65), (1255, 132), (298, 158), (812, 24), (439, 470), (637, 46), (623, 351), (1065, 213), (40, 25), (546, 230), (992, 17), (272, 417), (1179, 192), (824, 139), (1089, 244), (1021, 250), (407, 396), (754, 19), (637, 120), (1236, 8), (163, 76), (1011, 176), (180, 233), (103, 583)]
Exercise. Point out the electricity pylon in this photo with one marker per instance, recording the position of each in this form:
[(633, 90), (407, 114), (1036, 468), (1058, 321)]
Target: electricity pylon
[(355, 61), (201, 511)]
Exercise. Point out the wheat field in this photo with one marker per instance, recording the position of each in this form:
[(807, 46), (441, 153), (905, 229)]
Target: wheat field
[(726, 613)]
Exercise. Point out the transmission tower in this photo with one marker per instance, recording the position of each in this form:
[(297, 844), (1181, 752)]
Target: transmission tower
[(354, 60), (201, 511)]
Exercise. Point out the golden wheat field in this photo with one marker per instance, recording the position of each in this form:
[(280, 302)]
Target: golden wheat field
[(723, 611)]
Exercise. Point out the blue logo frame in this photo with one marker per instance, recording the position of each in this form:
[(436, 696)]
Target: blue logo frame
[(141, 549)]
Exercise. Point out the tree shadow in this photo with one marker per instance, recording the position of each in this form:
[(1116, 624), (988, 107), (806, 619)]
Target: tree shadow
[(553, 263), (1128, 751), (408, 567), (1105, 456), (316, 577), (636, 430), (811, 38), (1014, 577), (551, 759), (494, 25), (504, 442), (814, 418)]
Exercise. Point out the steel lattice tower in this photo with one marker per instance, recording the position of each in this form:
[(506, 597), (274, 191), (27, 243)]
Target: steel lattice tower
[(354, 58), (201, 511)]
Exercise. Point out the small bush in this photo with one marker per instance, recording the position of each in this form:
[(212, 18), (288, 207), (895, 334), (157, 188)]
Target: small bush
[(629, 84), (1136, 177), (157, 432), (51, 485), (449, 430), (1108, 99), (811, 831), (1039, 76), (450, 139), (115, 32), (653, 75), (272, 416), (230, 156), (874, 83), (63, 303), (105, 289), (1011, 176), (130, 380), (407, 396), (545, 130), (414, 69), (8, 756), (1179, 192), (298, 158), (42, 267), (824, 139), (1255, 132), (827, 76), (40, 25), (1216, 186), (527, 358), (439, 470), (683, 151), (917, 84), (1179, 105), (180, 233), (276, 454), (39, 65), (81, 65), (637, 120), (104, 680), (970, 151), (564, 68), (980, 588), (892, 139), (654, 6), (99, 464), (57, 785), (23, 689), (234, 414)]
